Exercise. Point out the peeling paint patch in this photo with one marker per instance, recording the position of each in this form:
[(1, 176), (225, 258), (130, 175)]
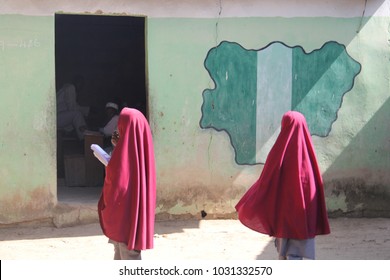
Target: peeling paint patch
[(25, 206), (354, 197), (193, 200), (40, 122)]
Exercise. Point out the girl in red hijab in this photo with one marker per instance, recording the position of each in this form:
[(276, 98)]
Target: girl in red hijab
[(287, 201), (127, 203)]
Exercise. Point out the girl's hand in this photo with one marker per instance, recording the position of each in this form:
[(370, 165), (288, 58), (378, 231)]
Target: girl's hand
[(115, 138)]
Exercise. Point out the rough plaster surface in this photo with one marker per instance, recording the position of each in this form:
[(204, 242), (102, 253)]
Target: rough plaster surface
[(176, 128), (203, 8)]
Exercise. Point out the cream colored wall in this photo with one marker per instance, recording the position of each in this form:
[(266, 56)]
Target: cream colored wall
[(203, 8)]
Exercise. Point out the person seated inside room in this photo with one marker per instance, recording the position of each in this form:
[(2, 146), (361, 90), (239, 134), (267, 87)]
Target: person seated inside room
[(70, 115)]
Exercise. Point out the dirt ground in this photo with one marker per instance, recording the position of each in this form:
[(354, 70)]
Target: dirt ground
[(350, 239)]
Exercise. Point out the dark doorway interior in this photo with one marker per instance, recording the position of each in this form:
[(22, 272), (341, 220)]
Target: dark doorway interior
[(109, 53)]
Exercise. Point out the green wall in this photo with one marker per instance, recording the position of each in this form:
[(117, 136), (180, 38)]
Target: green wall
[(27, 126), (196, 167)]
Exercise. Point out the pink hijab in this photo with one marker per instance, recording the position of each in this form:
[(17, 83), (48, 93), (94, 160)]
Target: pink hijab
[(127, 203), (288, 201)]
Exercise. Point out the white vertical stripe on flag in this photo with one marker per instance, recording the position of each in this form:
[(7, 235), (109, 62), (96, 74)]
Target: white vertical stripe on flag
[(274, 89)]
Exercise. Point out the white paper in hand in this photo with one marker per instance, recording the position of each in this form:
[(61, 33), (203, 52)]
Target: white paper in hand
[(100, 154)]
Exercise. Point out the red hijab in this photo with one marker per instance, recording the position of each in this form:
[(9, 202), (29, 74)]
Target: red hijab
[(127, 203), (287, 201)]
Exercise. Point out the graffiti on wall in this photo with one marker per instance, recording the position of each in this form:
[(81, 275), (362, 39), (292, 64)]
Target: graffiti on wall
[(254, 88)]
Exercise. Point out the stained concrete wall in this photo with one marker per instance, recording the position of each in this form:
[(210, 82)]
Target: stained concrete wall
[(196, 167), (27, 127)]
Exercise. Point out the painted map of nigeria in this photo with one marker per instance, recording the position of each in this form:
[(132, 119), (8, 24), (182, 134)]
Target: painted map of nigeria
[(254, 88)]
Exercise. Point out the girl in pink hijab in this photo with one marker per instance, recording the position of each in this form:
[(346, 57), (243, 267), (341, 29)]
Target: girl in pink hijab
[(127, 203), (287, 201)]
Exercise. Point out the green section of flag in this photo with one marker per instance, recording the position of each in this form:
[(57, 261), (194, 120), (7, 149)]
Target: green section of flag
[(320, 80), (231, 105)]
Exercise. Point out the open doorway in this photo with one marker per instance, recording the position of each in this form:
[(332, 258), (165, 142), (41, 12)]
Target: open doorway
[(108, 52)]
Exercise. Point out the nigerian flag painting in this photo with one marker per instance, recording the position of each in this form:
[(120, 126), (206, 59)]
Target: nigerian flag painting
[(254, 88)]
